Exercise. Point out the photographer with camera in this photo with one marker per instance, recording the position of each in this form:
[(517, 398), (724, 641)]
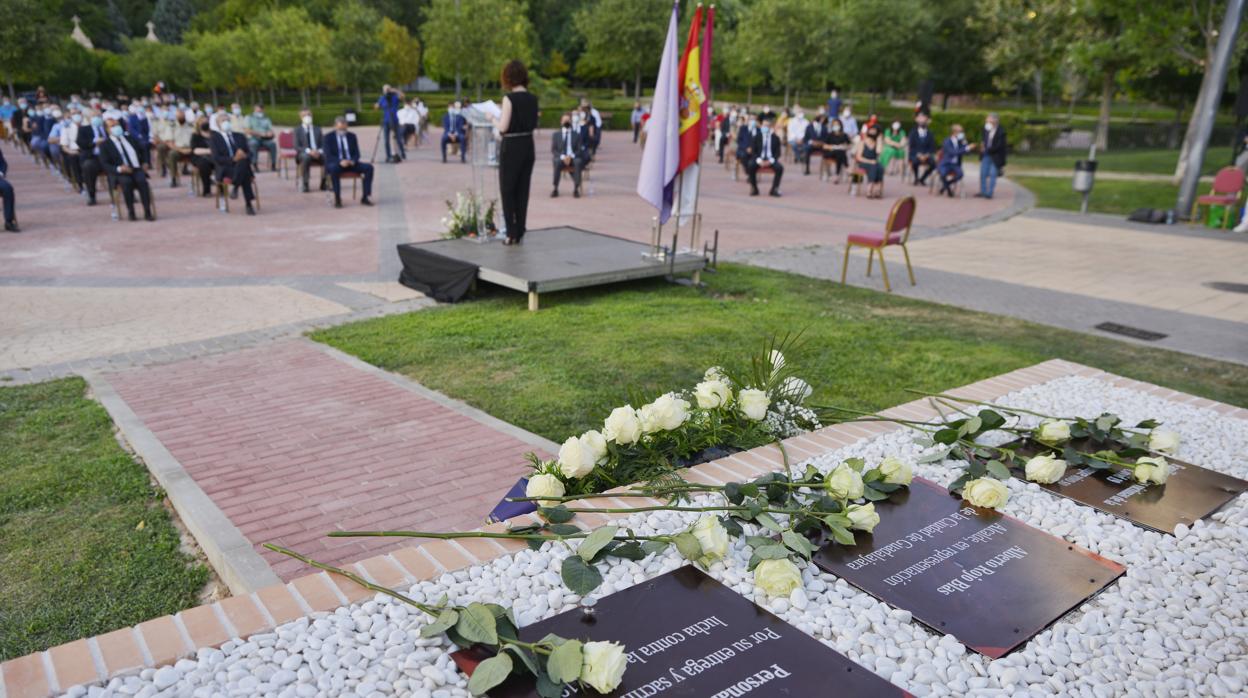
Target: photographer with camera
[(390, 102)]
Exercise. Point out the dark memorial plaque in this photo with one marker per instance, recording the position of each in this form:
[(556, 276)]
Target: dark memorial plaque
[(989, 580), (1190, 493), (688, 635)]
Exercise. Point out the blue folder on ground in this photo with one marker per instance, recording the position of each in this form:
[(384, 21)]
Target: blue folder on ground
[(505, 510)]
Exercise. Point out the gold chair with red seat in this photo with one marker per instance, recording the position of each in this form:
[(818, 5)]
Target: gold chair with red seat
[(287, 153), (897, 232), (1228, 184)]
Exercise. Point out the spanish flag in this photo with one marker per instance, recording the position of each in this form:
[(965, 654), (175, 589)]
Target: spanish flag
[(692, 96)]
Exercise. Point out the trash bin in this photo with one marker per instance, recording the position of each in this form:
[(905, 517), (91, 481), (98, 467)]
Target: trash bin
[(1085, 173)]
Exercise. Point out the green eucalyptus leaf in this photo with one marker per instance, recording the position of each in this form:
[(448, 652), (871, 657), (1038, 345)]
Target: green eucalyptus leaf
[(489, 674), (564, 664)]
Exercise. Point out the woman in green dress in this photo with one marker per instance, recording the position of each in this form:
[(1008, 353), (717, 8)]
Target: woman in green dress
[(894, 148)]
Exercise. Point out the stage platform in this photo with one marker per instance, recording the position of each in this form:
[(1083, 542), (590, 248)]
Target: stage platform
[(558, 259)]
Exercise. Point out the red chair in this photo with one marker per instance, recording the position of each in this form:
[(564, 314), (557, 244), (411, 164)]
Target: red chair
[(286, 152), (897, 232), (1228, 184)]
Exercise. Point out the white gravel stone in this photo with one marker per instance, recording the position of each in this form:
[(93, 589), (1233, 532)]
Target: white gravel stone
[(1175, 624)]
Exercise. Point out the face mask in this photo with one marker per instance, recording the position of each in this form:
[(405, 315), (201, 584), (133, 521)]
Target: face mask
[(30, 113), (97, 121), (258, 113), (961, 136), (836, 128), (226, 126), (766, 130), (56, 115), (236, 111), (307, 120), (896, 126), (76, 118), (116, 130), (208, 111), (753, 124)]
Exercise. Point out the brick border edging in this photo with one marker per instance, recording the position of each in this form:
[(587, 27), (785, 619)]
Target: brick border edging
[(163, 640), (229, 552)]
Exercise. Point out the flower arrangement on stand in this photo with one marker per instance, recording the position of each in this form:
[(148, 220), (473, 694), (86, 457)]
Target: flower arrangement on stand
[(464, 217), (724, 413)]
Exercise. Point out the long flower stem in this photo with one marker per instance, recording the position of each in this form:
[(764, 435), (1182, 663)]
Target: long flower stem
[(484, 534), (431, 610)]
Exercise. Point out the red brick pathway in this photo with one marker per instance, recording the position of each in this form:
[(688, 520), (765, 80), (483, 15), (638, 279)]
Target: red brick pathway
[(290, 442)]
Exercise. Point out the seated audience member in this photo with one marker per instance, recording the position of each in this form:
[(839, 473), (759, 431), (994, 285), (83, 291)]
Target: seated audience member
[(201, 154), (309, 146), (260, 135), (724, 127), (57, 120), (10, 199), (568, 149), (454, 130), (90, 136), (178, 145), (162, 138), (69, 148), (895, 142), (795, 131), (232, 159), (409, 122), (767, 114), (848, 123), (594, 120), (423, 111), (836, 147), (951, 153), (814, 138), (342, 154), (765, 152), (922, 150), (867, 160), (745, 140), (119, 156), (140, 130)]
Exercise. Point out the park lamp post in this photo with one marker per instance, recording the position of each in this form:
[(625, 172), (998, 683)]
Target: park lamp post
[(1211, 91)]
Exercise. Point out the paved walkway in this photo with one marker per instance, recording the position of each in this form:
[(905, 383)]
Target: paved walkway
[(1056, 268), (1023, 171), (292, 440)]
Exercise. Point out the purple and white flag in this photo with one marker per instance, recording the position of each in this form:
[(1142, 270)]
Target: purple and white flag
[(661, 158)]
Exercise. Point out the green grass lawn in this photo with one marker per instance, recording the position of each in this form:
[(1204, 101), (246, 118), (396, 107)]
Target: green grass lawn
[(73, 560), (1108, 196), (559, 371), (1142, 160)]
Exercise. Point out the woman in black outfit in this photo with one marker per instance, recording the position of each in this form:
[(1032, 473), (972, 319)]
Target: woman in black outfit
[(516, 155), (201, 155)]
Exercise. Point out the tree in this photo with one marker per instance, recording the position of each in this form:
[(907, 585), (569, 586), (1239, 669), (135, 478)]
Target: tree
[(472, 39), (793, 40), (552, 23), (623, 38), (71, 68), (25, 37), (400, 52), (357, 46), (172, 18), (145, 63), (218, 60), (118, 27), (294, 52), (742, 64), (870, 24)]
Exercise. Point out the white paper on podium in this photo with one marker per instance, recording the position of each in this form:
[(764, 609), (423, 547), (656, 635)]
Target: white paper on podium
[(489, 107)]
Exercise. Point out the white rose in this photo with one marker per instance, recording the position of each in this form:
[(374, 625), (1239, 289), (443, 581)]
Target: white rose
[(713, 538), (896, 471), (602, 665), (1152, 469), (622, 426), (545, 485), (712, 394), (986, 492), (664, 414), (754, 403), (1053, 432), (1162, 441), (862, 517), (596, 444), (795, 390), (715, 373), (575, 461), (777, 577), (1045, 469), (845, 483)]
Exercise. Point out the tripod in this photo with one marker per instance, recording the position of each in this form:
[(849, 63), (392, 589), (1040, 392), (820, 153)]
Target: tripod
[(376, 142)]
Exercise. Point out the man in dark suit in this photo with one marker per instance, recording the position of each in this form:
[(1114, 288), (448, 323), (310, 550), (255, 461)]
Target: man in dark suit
[(342, 154), (568, 147), (816, 136), (231, 159), (90, 136), (991, 156), (922, 150), (309, 144), (119, 157), (745, 140), (6, 193), (454, 130), (765, 151), (951, 153)]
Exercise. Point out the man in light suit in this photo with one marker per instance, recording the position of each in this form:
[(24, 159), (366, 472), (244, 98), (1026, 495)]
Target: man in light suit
[(231, 158), (6, 193), (765, 151), (119, 157), (309, 148), (454, 128), (569, 149), (342, 154)]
